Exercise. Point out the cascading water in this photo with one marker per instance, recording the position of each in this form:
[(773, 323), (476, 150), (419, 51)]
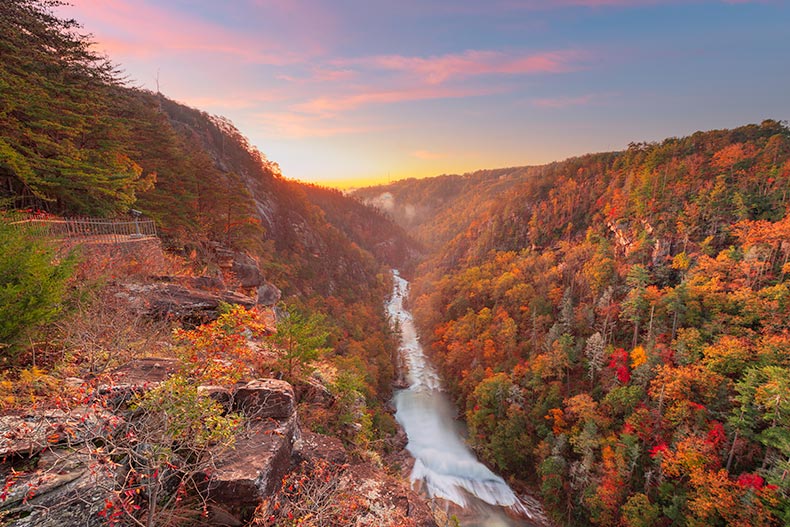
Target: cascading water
[(444, 466)]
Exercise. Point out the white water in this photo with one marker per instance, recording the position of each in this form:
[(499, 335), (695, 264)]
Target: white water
[(444, 466)]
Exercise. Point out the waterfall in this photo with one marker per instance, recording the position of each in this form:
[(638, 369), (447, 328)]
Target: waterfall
[(444, 466)]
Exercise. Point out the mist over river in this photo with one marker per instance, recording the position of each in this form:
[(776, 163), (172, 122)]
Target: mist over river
[(444, 466)]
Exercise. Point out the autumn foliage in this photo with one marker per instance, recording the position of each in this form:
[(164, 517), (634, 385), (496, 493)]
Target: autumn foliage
[(621, 323)]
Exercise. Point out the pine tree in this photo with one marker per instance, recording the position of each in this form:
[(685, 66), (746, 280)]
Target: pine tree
[(32, 285)]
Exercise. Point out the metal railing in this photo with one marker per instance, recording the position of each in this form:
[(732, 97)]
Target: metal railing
[(93, 229)]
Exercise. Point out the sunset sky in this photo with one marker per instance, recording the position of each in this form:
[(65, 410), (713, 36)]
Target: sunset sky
[(345, 92)]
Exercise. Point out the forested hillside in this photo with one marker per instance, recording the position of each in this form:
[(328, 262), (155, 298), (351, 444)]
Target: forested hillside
[(617, 329), (76, 140)]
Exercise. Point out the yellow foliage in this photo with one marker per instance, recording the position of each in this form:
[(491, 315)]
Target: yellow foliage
[(638, 357), (681, 261)]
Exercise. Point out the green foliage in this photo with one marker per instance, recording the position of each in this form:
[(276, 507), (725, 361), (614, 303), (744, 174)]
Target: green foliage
[(33, 281), (61, 147), (639, 512), (498, 426), (185, 417), (300, 340), (354, 421)]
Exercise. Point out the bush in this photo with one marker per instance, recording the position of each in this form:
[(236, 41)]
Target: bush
[(32, 285)]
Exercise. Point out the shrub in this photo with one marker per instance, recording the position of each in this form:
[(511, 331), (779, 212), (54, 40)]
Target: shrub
[(33, 283)]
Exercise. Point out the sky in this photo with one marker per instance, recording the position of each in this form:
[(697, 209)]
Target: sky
[(353, 92)]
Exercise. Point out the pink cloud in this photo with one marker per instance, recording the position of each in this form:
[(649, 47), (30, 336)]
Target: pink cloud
[(139, 29), (320, 75), (438, 69), (333, 75), (330, 106)]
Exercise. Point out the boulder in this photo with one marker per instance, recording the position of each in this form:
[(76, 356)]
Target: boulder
[(252, 471), (246, 270), (213, 283), (136, 378), (176, 301), (265, 398), (145, 371), (268, 294), (312, 446), (313, 391), (381, 497), (388, 498), (220, 394)]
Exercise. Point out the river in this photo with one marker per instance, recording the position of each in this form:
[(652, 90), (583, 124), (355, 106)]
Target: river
[(444, 466)]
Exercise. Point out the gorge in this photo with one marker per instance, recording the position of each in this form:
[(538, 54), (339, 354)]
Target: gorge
[(444, 466)]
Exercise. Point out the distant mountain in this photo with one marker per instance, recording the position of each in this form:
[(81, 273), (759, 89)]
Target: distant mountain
[(368, 227), (453, 200)]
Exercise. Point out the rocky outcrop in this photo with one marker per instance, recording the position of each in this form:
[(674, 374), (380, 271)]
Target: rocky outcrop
[(135, 378), (67, 488), (379, 498), (74, 482), (313, 446), (30, 433), (268, 294), (170, 300), (251, 471), (265, 399), (312, 391), (246, 270), (47, 482)]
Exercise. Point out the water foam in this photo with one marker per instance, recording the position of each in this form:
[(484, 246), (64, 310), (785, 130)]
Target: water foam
[(444, 465)]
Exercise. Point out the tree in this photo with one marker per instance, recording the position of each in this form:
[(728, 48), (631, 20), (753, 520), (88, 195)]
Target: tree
[(594, 350), (635, 304), (300, 340), (32, 284), (62, 149), (764, 415)]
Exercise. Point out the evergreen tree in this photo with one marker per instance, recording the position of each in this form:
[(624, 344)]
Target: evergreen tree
[(32, 285)]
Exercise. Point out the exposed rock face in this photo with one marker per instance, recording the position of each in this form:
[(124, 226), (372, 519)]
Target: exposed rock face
[(182, 303), (221, 394), (253, 469), (62, 486), (246, 270), (318, 446), (213, 283), (25, 435), (136, 378), (145, 371), (265, 398), (313, 391), (387, 498), (64, 490), (268, 294), (661, 251), (623, 238)]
